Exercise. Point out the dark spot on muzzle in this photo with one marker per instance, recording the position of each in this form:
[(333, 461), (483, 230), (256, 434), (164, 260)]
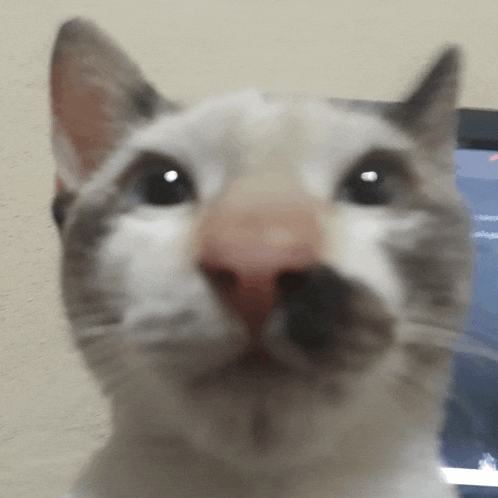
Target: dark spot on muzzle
[(317, 307)]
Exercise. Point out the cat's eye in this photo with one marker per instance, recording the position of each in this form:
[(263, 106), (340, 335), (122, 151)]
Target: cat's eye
[(368, 187), (161, 181), (378, 179)]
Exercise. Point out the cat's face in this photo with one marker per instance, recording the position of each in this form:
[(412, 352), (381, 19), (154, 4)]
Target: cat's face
[(257, 274)]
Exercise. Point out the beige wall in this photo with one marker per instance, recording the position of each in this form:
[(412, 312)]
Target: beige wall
[(53, 416)]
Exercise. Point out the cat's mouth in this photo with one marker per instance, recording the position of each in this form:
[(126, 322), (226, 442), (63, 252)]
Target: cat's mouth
[(253, 369), (258, 361), (256, 356)]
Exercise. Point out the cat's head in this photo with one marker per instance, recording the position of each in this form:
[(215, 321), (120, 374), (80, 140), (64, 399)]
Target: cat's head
[(257, 273)]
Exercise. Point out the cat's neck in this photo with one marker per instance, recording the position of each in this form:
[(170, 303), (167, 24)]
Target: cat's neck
[(144, 459), (159, 467)]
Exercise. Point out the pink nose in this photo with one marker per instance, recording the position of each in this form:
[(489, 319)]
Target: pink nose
[(253, 243)]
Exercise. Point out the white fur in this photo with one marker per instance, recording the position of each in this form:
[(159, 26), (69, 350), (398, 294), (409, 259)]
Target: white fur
[(163, 343), (376, 442)]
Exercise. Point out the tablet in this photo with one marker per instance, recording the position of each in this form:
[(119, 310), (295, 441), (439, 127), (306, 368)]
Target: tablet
[(470, 434)]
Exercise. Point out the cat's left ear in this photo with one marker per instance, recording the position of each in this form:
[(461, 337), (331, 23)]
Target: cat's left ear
[(98, 94), (430, 112)]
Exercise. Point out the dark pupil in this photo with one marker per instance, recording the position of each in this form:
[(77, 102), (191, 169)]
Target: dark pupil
[(367, 187), (163, 188)]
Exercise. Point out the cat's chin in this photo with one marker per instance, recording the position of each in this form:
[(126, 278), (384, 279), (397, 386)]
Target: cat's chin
[(256, 409), (269, 408), (266, 418)]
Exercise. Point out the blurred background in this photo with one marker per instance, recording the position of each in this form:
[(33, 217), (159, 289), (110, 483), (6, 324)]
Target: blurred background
[(52, 415)]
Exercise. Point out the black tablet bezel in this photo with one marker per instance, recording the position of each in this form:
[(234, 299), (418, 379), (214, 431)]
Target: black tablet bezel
[(477, 129)]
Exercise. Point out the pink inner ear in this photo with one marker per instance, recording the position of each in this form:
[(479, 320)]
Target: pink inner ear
[(80, 102)]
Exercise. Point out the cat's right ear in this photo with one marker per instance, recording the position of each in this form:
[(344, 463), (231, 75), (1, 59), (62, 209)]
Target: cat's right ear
[(429, 112), (97, 94)]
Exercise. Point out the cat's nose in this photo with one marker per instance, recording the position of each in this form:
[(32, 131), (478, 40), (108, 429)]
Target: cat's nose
[(254, 248)]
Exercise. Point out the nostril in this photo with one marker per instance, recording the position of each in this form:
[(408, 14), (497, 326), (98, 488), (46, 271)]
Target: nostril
[(291, 282), (225, 278), (250, 296), (222, 278)]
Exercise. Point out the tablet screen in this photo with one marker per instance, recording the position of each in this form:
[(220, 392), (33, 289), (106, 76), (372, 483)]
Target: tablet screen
[(470, 435)]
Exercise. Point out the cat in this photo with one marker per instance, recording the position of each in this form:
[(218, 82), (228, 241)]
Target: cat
[(267, 287)]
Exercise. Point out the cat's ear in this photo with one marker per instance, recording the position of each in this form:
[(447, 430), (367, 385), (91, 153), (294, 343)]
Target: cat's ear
[(430, 112), (96, 94)]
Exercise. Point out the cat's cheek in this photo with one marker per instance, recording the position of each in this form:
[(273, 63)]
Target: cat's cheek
[(365, 258), (147, 251), (150, 262)]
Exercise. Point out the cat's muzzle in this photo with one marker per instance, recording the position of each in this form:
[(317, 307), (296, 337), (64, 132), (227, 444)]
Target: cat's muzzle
[(321, 320)]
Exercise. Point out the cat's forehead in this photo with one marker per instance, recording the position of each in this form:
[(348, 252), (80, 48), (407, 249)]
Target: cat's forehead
[(249, 120)]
